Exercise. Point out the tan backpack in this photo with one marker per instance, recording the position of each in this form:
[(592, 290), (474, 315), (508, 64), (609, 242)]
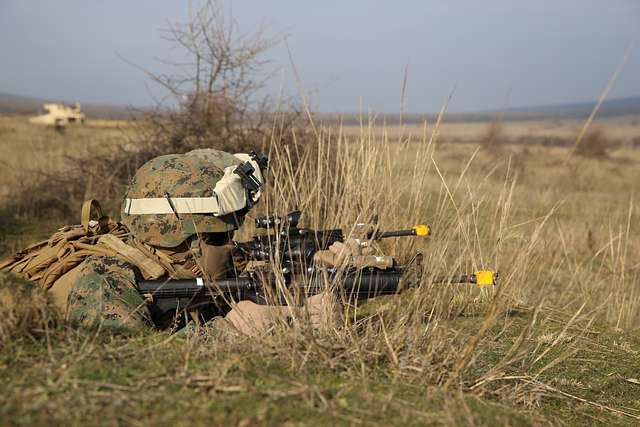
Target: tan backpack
[(52, 263)]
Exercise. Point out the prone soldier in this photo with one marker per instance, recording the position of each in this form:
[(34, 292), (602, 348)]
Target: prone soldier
[(179, 216)]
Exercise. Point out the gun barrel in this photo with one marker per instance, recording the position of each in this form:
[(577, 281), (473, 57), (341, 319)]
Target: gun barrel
[(398, 233), (418, 230), (187, 288), (480, 278), (463, 278), (367, 284)]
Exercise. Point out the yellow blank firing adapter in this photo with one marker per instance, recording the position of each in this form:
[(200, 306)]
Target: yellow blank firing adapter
[(485, 278), (422, 230)]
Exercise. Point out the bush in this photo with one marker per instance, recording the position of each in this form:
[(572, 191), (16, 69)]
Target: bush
[(24, 308), (594, 144), (494, 136)]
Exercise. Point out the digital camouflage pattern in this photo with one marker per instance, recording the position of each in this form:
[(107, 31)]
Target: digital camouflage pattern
[(193, 174), (104, 293), (104, 296)]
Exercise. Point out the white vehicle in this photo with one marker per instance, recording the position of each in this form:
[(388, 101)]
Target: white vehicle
[(60, 115)]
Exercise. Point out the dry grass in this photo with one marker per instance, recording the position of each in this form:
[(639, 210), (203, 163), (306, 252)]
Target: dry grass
[(542, 345), (533, 228), (19, 318), (35, 158), (554, 132)]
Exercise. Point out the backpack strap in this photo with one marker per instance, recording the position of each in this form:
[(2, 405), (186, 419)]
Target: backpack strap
[(85, 215), (149, 268), (45, 262)]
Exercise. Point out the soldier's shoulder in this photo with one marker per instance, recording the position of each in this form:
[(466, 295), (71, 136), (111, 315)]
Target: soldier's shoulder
[(106, 267), (104, 294), (106, 263)]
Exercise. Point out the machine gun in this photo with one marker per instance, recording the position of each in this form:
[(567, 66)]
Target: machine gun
[(169, 296), (259, 287), (287, 240), (287, 257), (295, 246)]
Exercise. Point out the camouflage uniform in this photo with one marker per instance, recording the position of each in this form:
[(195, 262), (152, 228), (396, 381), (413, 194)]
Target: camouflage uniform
[(104, 293), (104, 296), (185, 175)]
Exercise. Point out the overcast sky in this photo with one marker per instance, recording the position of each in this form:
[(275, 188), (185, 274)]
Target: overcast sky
[(347, 52)]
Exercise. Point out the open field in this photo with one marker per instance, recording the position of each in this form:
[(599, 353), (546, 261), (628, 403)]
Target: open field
[(35, 162), (556, 343), (28, 150), (623, 130)]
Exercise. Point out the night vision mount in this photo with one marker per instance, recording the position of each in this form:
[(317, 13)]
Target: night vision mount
[(246, 172)]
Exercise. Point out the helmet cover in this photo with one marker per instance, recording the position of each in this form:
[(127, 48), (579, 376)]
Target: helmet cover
[(191, 175)]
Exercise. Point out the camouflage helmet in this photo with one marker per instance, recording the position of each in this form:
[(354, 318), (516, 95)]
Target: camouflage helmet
[(175, 196)]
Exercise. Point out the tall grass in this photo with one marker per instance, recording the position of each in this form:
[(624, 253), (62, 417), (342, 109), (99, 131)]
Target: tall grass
[(561, 239), (481, 220)]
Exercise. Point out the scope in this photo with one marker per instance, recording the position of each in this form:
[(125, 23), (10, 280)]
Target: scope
[(273, 221)]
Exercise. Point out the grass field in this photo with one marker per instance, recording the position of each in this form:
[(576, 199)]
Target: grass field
[(623, 130), (556, 343), (36, 162)]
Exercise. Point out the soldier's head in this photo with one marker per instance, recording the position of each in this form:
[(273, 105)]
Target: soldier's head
[(202, 193)]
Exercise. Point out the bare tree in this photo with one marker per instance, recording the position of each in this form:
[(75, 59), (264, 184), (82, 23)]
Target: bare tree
[(212, 99), (214, 91)]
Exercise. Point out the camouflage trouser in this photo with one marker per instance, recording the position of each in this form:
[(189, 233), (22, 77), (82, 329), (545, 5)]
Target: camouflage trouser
[(104, 296)]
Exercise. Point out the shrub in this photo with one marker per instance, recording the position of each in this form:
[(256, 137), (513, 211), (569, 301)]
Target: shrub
[(494, 136), (594, 144), (24, 308)]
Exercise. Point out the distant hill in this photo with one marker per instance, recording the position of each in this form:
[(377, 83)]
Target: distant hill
[(609, 108), (18, 104)]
